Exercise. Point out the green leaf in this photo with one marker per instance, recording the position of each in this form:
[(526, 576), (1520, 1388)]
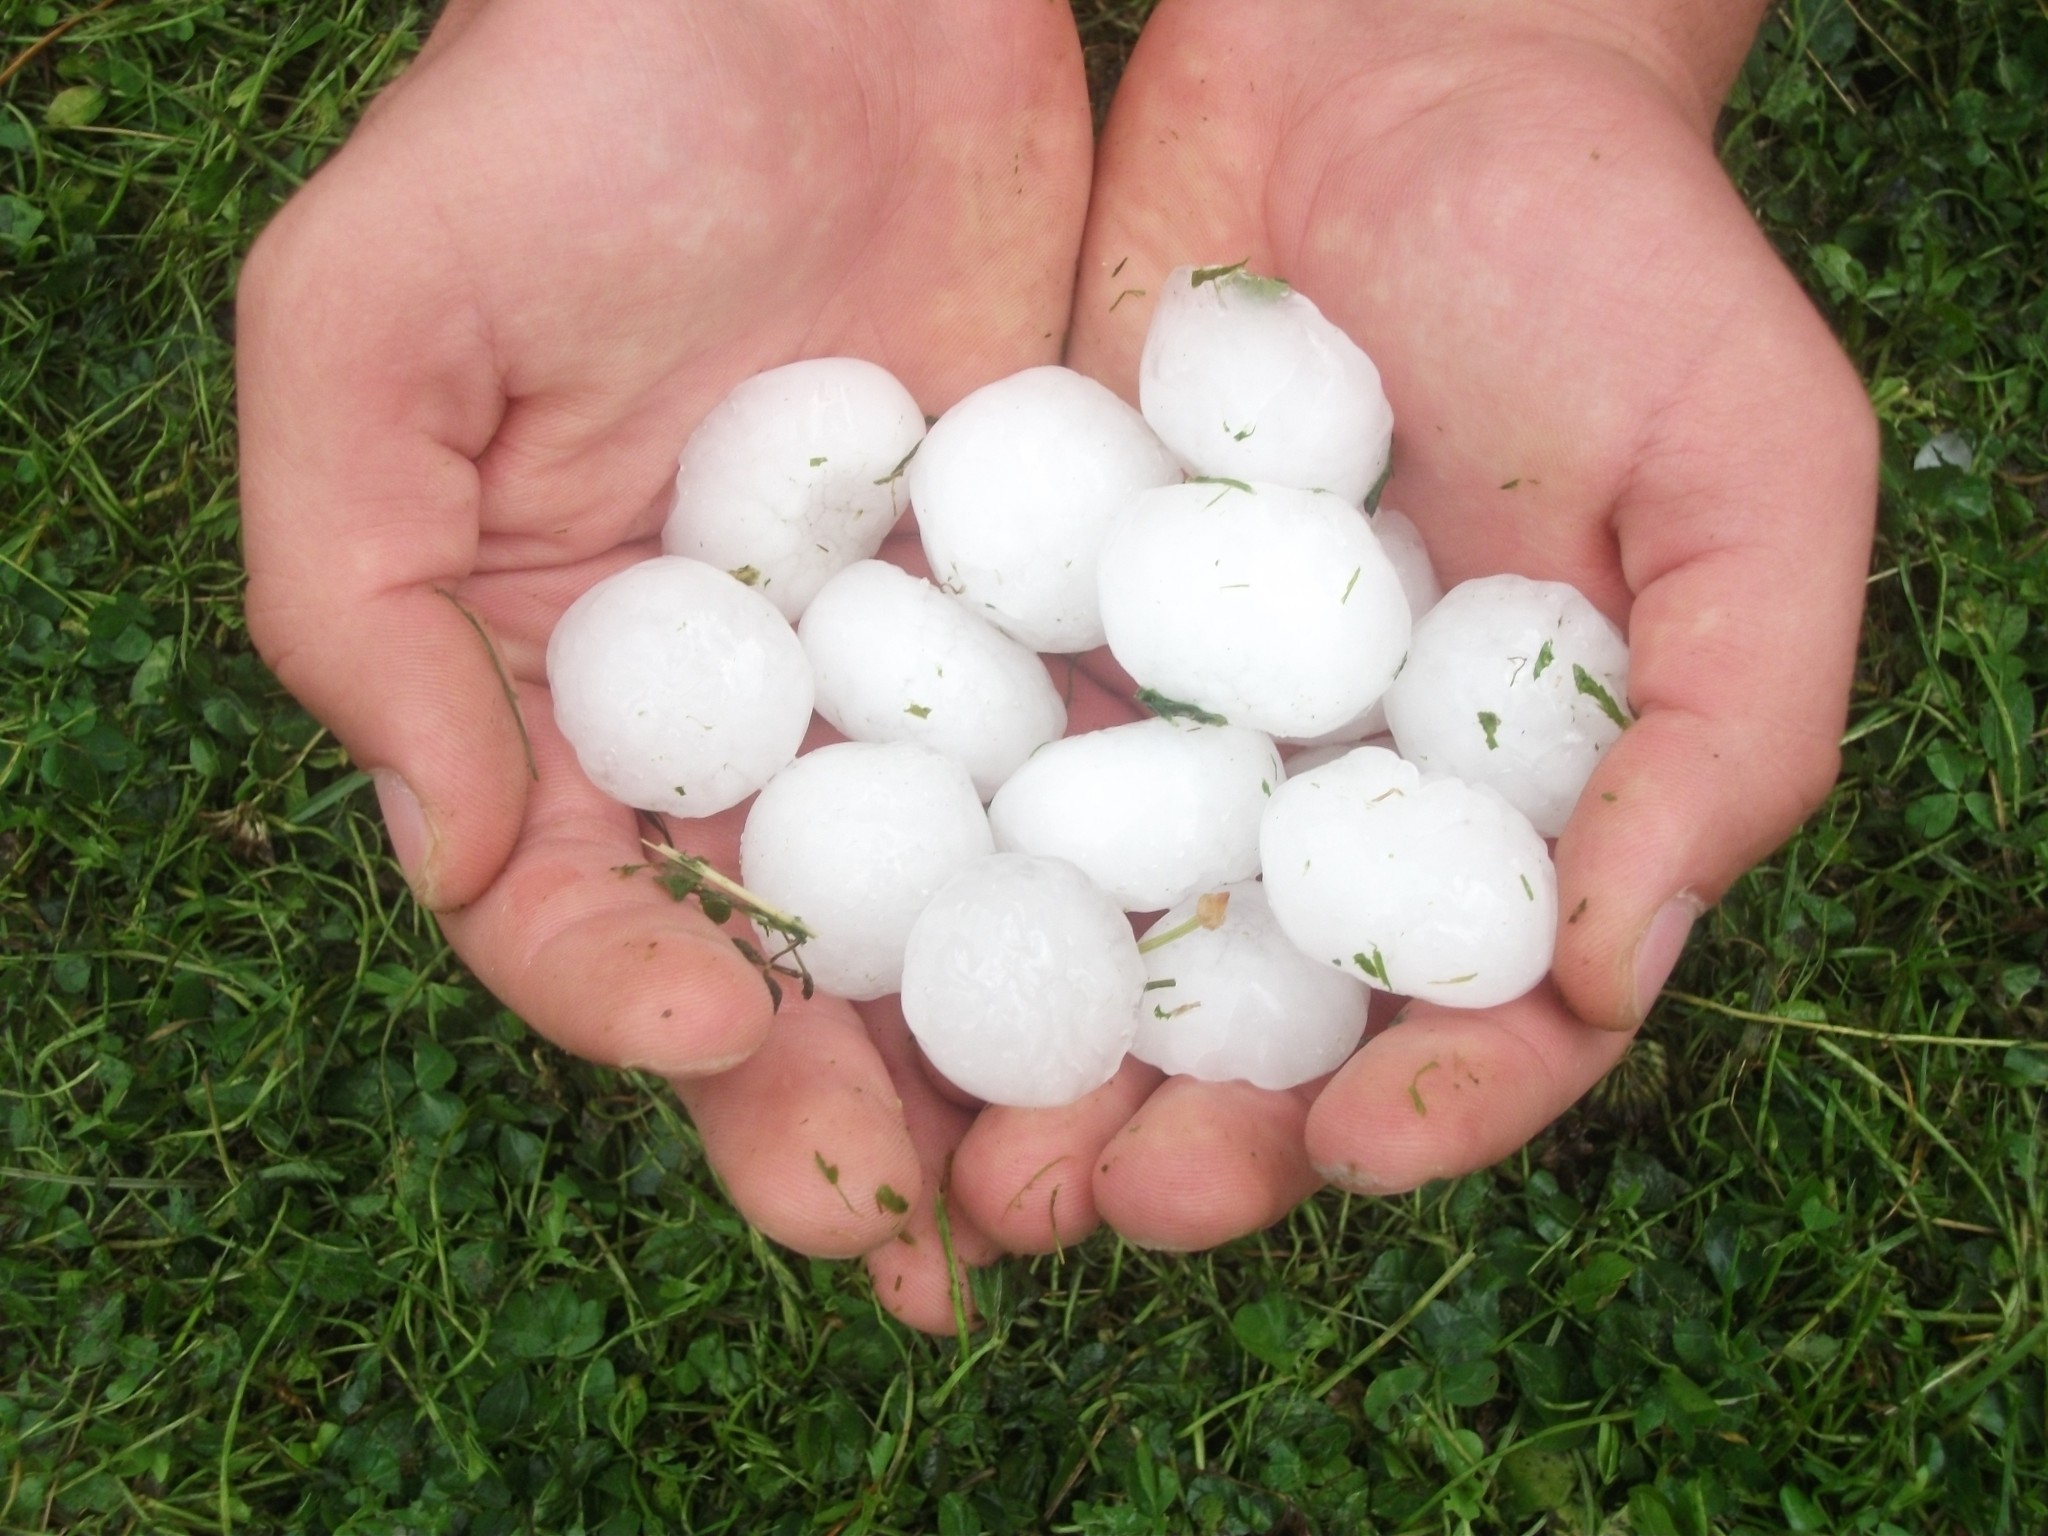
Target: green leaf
[(1596, 1282), (1590, 686), (1176, 709), (1269, 1328), (1489, 724), (75, 106), (1801, 1513)]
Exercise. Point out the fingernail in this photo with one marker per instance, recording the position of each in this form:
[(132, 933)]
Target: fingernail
[(1658, 950), (1352, 1179), (406, 825)]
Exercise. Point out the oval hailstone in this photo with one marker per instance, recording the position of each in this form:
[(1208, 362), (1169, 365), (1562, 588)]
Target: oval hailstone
[(1243, 377), (1015, 487), (898, 660), (1401, 542), (1021, 981), (1273, 608), (794, 475), (1427, 887), (1516, 684), (1239, 1001), (680, 689), (853, 839), (1151, 812)]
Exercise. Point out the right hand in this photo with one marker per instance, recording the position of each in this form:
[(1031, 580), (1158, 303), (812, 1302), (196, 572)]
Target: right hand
[(470, 351)]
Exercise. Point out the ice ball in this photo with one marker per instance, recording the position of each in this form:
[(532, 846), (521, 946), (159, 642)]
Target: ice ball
[(898, 660), (1516, 684), (853, 839), (1015, 487), (1401, 542), (1239, 1001), (1243, 377), (1270, 607), (680, 690), (1424, 886), (1151, 812), (795, 475), (1021, 981)]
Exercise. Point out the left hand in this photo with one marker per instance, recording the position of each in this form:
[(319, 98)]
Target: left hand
[(1602, 375)]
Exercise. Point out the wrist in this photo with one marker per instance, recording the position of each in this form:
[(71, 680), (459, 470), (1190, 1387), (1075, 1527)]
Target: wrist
[(1691, 49)]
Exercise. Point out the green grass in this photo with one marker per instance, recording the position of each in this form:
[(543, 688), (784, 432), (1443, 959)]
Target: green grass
[(298, 1231)]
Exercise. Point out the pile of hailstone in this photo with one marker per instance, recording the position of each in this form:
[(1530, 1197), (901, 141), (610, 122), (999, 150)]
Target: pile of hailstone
[(960, 848)]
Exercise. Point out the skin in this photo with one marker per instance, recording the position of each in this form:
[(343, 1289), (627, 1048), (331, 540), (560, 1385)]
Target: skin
[(474, 414)]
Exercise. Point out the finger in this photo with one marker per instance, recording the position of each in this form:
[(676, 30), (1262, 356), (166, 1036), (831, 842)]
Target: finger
[(359, 423), (1026, 1176), (603, 962), (1202, 1163), (1446, 1091), (921, 1276), (1745, 536), (808, 1135)]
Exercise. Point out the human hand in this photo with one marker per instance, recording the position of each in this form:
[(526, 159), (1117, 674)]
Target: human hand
[(469, 352), (1601, 374)]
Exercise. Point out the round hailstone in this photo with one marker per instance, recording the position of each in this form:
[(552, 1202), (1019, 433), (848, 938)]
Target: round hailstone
[(1151, 812), (898, 660), (1238, 1001), (853, 839), (1021, 981), (1516, 684), (680, 689), (1401, 542), (796, 474), (1015, 487), (1428, 887), (1243, 377), (1272, 608)]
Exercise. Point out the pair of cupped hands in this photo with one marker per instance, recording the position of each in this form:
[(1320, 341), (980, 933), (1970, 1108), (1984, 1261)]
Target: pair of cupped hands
[(472, 346)]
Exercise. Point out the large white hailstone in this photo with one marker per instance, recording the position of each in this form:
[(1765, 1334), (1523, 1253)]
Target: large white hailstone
[(1021, 981), (680, 689), (898, 660), (1401, 542), (1238, 1001), (1270, 607), (1243, 377), (1015, 487), (1428, 887), (1151, 812), (853, 839), (1516, 684), (796, 474)]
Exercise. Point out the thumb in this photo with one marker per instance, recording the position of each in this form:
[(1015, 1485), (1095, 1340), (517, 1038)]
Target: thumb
[(1745, 537), (364, 391)]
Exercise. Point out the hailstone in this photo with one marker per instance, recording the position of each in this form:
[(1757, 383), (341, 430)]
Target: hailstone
[(1240, 1001), (680, 689), (898, 660), (1401, 542), (1151, 812), (795, 475), (1428, 887), (853, 839), (1021, 981), (1243, 377), (1269, 607), (1516, 684), (1015, 487)]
